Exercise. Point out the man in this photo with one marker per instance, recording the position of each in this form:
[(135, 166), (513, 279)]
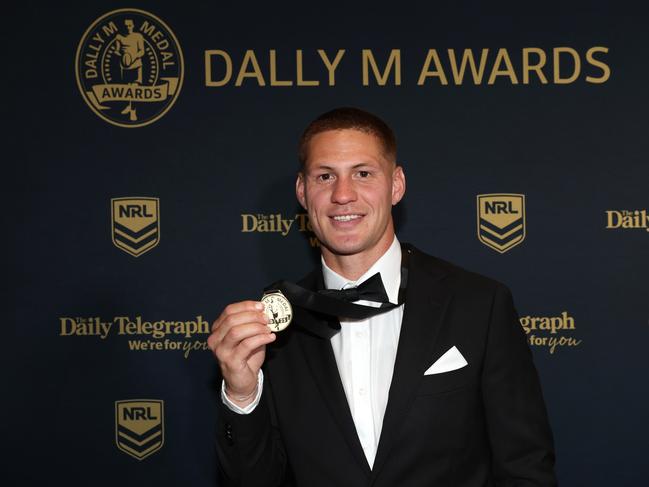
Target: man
[(131, 49), (438, 390)]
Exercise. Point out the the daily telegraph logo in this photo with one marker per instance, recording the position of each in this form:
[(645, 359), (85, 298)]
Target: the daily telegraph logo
[(501, 220), (141, 335), (551, 332), (277, 223), (627, 219), (139, 426), (129, 67), (135, 224)]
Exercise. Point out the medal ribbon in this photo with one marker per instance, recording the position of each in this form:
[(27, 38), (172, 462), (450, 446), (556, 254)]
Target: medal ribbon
[(337, 303)]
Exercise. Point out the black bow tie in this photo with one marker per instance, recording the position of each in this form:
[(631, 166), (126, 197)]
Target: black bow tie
[(339, 303), (370, 290)]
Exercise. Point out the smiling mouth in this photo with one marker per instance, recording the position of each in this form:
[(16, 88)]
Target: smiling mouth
[(346, 218)]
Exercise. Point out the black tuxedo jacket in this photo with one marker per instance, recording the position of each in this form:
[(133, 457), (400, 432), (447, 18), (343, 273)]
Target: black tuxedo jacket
[(482, 425)]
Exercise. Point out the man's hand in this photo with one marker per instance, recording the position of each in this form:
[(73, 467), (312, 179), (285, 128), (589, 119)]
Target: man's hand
[(238, 340)]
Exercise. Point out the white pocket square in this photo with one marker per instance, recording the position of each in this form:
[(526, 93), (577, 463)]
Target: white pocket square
[(451, 360)]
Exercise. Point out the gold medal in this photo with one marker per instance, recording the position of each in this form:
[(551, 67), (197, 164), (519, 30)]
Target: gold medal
[(278, 309)]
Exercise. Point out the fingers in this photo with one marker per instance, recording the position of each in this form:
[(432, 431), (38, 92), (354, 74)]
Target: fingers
[(229, 335), (245, 348), (236, 334), (238, 340), (229, 321), (234, 308), (238, 322), (239, 326)]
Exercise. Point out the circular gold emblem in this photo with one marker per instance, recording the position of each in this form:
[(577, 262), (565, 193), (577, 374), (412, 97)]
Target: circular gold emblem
[(278, 309), (129, 67)]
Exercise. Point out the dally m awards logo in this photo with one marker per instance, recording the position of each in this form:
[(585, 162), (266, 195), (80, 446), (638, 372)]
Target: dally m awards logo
[(139, 426), (501, 220), (135, 224), (129, 67)]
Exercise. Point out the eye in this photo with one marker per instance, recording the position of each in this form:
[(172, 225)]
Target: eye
[(364, 174), (324, 177)]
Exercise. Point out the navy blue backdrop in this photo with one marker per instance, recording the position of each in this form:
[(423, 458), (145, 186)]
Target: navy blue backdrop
[(557, 114)]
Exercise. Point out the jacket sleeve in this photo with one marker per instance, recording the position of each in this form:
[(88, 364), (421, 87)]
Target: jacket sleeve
[(249, 447), (517, 421)]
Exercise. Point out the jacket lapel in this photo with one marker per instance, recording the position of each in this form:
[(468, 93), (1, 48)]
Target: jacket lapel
[(322, 364), (426, 302)]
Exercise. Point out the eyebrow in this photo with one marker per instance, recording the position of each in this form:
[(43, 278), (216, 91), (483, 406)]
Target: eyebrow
[(355, 166)]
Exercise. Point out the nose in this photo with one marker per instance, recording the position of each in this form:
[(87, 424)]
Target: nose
[(343, 191)]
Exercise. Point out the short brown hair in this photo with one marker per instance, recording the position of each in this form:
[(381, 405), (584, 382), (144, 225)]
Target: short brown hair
[(349, 118)]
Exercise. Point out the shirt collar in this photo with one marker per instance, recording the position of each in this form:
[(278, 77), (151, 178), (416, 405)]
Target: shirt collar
[(389, 265)]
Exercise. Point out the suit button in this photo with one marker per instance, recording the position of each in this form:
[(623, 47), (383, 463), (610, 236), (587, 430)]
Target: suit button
[(228, 434)]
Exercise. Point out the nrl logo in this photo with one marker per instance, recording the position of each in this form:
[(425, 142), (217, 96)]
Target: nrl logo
[(139, 426), (129, 67), (135, 224), (501, 220)]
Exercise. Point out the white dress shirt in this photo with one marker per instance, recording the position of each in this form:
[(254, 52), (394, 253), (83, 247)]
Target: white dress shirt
[(365, 351)]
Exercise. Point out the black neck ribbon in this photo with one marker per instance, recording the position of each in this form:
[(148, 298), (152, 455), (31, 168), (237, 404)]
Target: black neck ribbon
[(337, 303)]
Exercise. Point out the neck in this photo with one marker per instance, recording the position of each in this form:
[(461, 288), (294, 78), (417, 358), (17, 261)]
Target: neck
[(353, 266)]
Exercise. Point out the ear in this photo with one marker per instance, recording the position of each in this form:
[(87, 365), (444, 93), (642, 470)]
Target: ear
[(398, 184), (300, 189)]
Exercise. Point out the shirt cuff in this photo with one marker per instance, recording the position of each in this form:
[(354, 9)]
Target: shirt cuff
[(250, 407)]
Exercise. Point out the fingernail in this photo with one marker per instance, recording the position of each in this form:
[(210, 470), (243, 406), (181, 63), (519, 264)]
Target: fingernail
[(259, 305)]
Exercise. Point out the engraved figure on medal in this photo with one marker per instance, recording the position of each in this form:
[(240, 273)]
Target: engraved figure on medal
[(278, 309)]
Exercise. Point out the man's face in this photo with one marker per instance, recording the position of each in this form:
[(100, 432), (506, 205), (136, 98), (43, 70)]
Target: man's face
[(348, 188)]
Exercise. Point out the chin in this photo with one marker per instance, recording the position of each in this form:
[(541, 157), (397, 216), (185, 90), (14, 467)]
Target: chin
[(342, 247)]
